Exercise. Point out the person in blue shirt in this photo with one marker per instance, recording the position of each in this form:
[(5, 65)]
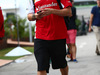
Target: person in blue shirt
[(95, 22)]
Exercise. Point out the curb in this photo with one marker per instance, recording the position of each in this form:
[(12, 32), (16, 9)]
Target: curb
[(6, 64)]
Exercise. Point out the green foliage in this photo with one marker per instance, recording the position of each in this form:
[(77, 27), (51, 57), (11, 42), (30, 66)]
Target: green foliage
[(22, 25), (78, 23), (33, 30), (85, 5), (7, 28)]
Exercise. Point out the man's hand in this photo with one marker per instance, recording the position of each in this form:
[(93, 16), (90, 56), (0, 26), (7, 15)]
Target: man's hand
[(38, 15), (61, 12), (90, 29), (46, 12), (32, 17), (90, 23)]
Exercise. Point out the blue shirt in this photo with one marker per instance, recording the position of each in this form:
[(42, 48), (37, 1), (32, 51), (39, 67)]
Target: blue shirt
[(96, 12)]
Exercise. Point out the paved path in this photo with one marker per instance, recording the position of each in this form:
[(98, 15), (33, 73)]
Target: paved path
[(88, 61), (85, 11), (5, 62)]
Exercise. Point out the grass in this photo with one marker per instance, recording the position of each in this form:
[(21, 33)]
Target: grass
[(5, 51), (85, 5)]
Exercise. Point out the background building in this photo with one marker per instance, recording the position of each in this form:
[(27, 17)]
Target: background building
[(10, 7)]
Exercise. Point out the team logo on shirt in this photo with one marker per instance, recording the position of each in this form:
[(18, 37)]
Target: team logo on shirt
[(45, 6)]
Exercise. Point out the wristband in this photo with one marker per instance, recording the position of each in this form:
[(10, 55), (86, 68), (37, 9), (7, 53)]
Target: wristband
[(33, 17)]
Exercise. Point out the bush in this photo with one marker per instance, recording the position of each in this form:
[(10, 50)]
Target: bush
[(78, 23), (11, 27)]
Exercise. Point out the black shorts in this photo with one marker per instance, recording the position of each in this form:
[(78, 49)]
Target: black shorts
[(45, 50)]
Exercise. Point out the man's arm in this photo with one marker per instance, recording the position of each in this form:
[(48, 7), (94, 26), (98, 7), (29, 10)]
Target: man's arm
[(32, 17), (91, 20), (1, 18), (61, 12), (48, 11)]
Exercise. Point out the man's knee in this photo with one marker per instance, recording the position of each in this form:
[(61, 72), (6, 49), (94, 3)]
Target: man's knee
[(73, 44), (64, 71), (41, 72)]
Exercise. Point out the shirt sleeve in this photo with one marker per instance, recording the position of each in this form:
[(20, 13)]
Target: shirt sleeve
[(66, 3), (93, 10), (30, 7), (1, 17)]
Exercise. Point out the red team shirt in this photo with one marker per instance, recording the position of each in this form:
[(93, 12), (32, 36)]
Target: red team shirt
[(51, 27), (1, 24)]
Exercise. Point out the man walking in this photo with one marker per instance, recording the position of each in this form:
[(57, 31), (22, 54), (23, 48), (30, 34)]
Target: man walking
[(95, 22), (72, 31), (50, 34)]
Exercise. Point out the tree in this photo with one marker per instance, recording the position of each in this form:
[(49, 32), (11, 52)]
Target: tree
[(11, 27)]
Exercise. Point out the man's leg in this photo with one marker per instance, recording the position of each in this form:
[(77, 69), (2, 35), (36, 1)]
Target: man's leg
[(58, 54), (41, 73), (64, 71), (68, 51), (97, 33), (97, 50), (41, 54), (98, 42), (72, 37), (73, 51)]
